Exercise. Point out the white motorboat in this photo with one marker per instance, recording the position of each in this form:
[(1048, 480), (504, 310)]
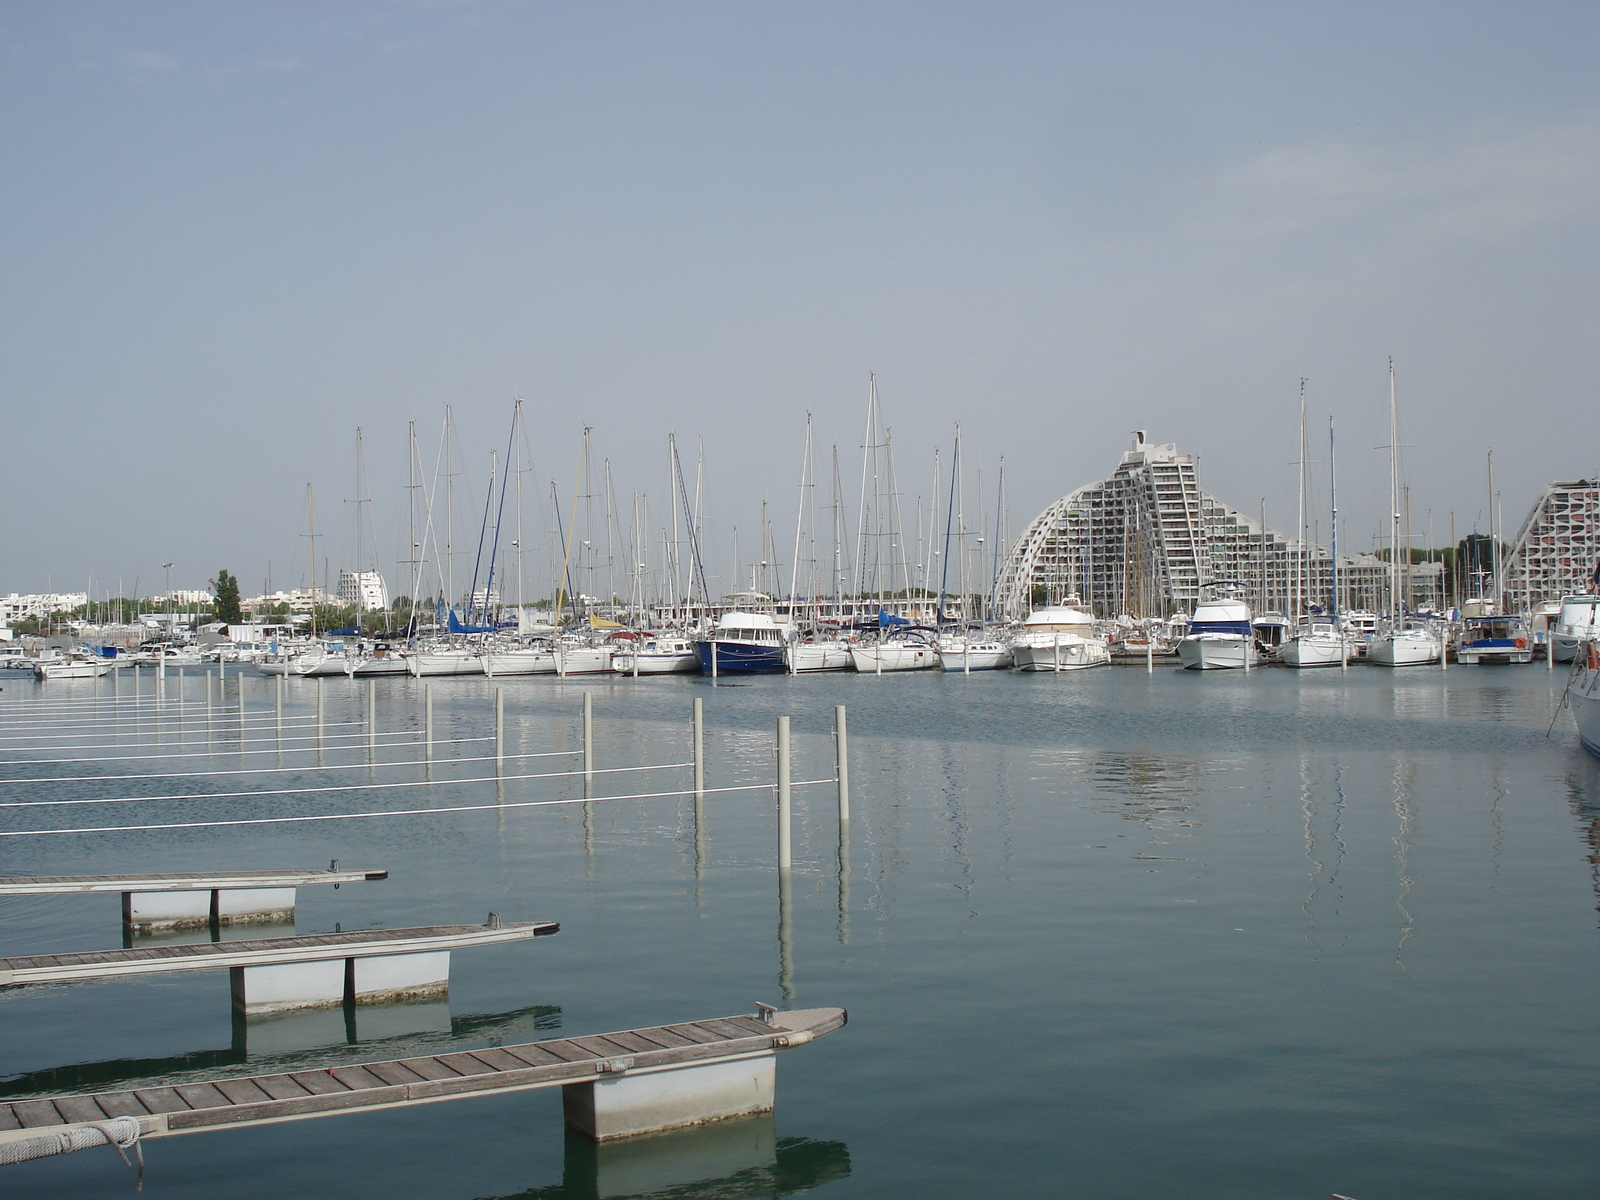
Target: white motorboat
[(1219, 637), (1058, 638), (654, 654), (1413, 644), (1272, 632), (1583, 693), (178, 656), (753, 643), (820, 654), (1317, 644), (71, 667), (974, 654), (1578, 620), (1494, 641)]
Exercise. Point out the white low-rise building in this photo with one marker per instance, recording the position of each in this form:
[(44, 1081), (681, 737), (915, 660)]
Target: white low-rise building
[(365, 589), (39, 604)]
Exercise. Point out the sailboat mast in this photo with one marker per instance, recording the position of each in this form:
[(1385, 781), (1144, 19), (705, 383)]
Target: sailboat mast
[(800, 520), (1333, 505), (1394, 504), (1300, 580)]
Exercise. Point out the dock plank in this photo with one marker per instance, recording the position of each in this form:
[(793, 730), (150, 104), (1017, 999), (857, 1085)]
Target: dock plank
[(237, 1101)]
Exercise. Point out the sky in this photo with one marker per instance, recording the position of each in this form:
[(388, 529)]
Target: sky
[(232, 234)]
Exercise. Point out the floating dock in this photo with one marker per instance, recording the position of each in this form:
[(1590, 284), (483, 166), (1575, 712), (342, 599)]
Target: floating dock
[(191, 899), (616, 1085)]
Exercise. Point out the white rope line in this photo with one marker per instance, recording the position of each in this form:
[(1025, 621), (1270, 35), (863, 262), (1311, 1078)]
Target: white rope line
[(28, 762), (180, 743), (355, 766), (165, 716), (115, 711), (338, 787), (196, 722), (410, 812)]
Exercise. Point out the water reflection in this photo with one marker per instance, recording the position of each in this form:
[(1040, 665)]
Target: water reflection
[(730, 1160)]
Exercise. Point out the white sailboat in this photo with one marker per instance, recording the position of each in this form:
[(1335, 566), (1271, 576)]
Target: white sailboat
[(1578, 620), (1584, 695), (654, 654), (1318, 643), (974, 654), (1402, 641)]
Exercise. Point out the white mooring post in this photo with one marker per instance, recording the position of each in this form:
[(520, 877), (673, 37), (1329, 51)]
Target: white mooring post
[(319, 712), (588, 743), (372, 718), (841, 761), (785, 799), (499, 727), (1149, 653), (713, 659), (699, 748), (279, 703), (427, 721)]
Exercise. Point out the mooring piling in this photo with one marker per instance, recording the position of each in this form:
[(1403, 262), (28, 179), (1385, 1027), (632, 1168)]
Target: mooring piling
[(427, 721), (372, 718), (841, 760), (588, 743), (785, 798)]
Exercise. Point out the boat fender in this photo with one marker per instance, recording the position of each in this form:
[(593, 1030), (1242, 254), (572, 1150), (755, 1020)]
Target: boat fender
[(798, 1038), (1594, 656), (1522, 643)]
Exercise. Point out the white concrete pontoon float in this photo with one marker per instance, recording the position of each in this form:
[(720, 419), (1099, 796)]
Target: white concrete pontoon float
[(191, 899), (272, 975)]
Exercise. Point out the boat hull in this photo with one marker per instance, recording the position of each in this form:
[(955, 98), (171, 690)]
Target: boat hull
[(740, 658), (1313, 652), (582, 660), (1584, 697), (389, 664), (976, 658), (1216, 652), (1493, 656), (873, 660), (1076, 654), (431, 666), (71, 670), (625, 662), (520, 662), (1388, 651), (820, 656)]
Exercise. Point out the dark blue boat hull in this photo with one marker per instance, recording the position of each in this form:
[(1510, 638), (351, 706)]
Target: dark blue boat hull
[(734, 658)]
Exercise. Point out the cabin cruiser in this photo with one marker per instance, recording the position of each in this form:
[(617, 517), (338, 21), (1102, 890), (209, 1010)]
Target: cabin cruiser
[(71, 666), (1578, 620), (1059, 637), (746, 643), (382, 659), (1220, 637), (1272, 632), (1494, 640)]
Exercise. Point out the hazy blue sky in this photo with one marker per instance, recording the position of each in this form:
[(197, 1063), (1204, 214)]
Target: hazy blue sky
[(233, 232)]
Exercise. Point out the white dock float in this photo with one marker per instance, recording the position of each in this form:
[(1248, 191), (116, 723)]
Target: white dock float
[(191, 899), (271, 975), (689, 1074)]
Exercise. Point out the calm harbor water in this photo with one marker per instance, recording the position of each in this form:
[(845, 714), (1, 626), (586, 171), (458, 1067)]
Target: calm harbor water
[(1102, 934)]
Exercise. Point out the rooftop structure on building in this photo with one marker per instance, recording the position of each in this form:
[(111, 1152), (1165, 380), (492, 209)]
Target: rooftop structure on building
[(297, 599), (1147, 541), (1555, 552), (364, 589)]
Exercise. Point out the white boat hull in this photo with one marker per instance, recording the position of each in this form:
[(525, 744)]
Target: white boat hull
[(976, 658), (677, 662), (1584, 697), (434, 665), (520, 662), (1494, 656), (819, 656), (389, 664), (1401, 651), (76, 669), (1067, 654), (1564, 646), (1216, 652), (891, 657), (1314, 652), (583, 660)]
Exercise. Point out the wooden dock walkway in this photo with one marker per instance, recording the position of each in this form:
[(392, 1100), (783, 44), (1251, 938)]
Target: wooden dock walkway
[(179, 881), (368, 1087), (264, 952)]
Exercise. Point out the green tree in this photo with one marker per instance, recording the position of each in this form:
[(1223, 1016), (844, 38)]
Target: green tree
[(226, 589)]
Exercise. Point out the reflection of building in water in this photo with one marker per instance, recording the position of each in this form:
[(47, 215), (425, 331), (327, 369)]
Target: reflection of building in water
[(1585, 797), (731, 1160), (1146, 540)]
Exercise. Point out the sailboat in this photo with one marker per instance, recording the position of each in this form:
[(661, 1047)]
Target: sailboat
[(1404, 641), (1318, 641)]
